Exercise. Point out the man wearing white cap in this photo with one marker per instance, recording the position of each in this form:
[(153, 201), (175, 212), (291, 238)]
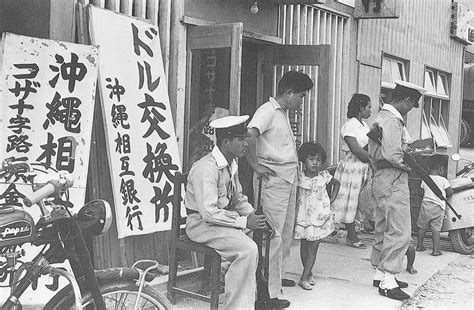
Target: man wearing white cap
[(218, 212), (388, 138)]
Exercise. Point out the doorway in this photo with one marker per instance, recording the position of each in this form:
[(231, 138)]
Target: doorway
[(248, 104), (229, 74)]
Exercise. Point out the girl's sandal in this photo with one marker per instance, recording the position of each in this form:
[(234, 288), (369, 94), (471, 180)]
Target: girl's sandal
[(305, 285), (311, 280), (358, 244)]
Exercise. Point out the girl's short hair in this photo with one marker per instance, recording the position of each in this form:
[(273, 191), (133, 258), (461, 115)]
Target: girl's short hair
[(357, 101), (311, 148)]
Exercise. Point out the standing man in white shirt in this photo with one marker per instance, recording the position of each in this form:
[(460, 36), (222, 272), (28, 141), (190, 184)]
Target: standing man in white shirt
[(272, 154), (219, 214)]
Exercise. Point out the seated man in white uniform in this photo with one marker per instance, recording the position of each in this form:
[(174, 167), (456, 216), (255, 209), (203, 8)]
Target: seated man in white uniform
[(219, 214)]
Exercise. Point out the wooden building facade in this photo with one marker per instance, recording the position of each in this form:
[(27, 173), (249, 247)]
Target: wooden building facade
[(249, 52), (416, 47)]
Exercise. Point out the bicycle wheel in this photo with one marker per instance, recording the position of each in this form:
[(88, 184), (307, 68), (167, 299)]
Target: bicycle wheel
[(118, 295)]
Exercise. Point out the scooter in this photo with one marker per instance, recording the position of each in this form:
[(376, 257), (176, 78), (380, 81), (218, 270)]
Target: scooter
[(461, 229)]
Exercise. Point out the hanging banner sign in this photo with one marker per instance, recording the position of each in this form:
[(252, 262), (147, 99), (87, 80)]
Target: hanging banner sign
[(141, 141), (46, 111)]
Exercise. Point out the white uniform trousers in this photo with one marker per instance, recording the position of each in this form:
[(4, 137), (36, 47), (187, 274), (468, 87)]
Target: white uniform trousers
[(392, 219), (237, 248), (279, 203)]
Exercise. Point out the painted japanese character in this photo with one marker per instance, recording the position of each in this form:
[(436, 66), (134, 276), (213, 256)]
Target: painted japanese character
[(70, 71), (153, 116), (158, 162)]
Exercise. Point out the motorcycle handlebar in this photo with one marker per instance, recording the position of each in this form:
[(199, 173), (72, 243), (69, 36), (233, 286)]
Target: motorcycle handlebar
[(465, 169), (49, 189), (52, 187)]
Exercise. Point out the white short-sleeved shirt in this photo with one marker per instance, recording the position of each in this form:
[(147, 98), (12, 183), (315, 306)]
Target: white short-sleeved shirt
[(276, 148), (442, 184), (353, 128)]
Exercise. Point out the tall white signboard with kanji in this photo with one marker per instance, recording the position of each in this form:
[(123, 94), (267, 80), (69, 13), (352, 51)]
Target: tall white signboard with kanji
[(46, 111), (141, 141)]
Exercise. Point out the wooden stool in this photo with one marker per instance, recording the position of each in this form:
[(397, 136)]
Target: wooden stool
[(178, 240)]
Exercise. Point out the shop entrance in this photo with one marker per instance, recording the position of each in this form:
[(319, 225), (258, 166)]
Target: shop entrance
[(229, 74)]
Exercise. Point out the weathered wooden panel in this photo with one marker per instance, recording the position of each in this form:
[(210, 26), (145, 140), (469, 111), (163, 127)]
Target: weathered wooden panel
[(302, 24), (369, 84), (421, 34), (265, 21), (16, 17), (421, 37)]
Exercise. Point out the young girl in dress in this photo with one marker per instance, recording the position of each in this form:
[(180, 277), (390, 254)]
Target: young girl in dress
[(314, 219)]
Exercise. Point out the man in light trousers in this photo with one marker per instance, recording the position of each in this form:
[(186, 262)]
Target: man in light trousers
[(389, 137), (219, 215), (272, 154)]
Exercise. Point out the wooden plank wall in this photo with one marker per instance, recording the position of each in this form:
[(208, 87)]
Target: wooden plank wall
[(421, 36), (157, 11), (109, 251), (310, 25), (369, 84)]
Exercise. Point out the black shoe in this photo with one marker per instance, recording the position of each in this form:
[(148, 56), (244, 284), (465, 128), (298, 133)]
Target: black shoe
[(401, 284), (394, 293), (288, 282), (279, 303)]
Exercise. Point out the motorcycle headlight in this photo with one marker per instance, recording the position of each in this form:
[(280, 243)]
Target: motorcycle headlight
[(96, 216)]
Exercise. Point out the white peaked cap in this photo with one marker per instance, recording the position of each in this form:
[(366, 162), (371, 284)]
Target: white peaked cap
[(232, 125), (419, 89)]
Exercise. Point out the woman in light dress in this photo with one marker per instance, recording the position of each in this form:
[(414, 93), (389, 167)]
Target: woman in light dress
[(353, 170)]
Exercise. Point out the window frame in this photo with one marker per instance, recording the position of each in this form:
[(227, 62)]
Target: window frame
[(436, 107), (394, 74), (386, 87)]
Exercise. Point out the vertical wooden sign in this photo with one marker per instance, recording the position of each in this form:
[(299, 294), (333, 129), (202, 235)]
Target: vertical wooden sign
[(47, 111), (141, 141)]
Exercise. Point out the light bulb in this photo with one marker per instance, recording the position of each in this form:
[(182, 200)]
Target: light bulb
[(254, 8)]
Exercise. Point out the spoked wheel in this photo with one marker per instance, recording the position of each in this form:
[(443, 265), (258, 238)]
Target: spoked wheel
[(120, 295), (463, 240), (125, 299)]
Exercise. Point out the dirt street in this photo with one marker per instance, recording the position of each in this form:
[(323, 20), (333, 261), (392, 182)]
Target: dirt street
[(452, 287)]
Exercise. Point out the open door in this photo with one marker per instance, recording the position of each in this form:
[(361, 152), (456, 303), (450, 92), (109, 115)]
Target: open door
[(313, 121), (214, 55)]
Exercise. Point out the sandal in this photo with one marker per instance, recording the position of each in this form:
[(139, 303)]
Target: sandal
[(358, 244), (311, 280), (305, 285), (436, 253)]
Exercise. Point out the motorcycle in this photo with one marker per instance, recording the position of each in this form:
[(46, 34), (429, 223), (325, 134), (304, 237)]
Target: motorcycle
[(461, 229), (61, 238)]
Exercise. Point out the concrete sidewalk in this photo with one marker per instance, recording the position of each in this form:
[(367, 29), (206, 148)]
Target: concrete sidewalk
[(344, 279)]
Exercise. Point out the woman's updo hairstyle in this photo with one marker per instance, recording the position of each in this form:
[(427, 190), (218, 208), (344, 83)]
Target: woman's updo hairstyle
[(357, 101)]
